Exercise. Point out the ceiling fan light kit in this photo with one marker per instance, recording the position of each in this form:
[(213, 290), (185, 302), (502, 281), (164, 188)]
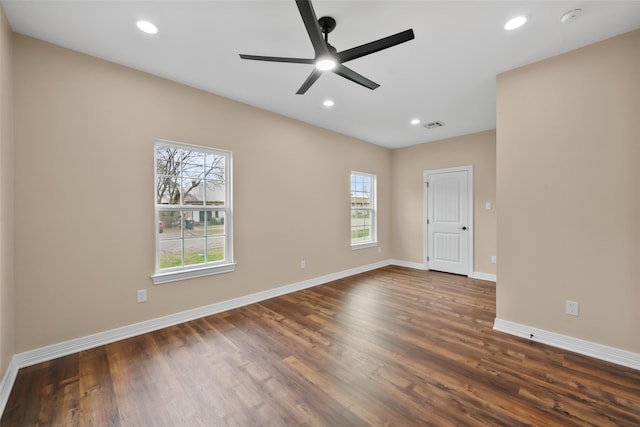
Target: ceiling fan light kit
[(326, 57), (325, 64)]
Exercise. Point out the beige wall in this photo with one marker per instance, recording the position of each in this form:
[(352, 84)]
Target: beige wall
[(408, 166), (7, 301), (568, 184), (84, 131)]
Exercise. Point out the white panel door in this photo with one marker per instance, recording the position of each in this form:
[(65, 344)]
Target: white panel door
[(448, 227)]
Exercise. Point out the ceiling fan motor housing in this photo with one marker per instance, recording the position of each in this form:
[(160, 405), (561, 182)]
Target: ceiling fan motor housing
[(327, 24)]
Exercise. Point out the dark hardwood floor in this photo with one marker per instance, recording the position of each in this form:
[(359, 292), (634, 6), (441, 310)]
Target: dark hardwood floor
[(393, 346)]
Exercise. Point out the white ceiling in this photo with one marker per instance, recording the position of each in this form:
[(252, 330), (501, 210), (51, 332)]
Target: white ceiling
[(447, 73)]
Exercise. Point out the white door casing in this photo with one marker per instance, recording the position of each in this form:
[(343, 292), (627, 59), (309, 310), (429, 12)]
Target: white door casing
[(449, 220)]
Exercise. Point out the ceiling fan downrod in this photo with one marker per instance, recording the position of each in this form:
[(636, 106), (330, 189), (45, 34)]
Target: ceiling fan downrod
[(327, 24)]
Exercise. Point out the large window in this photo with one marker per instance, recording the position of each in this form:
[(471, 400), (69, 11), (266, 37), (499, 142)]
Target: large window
[(363, 210), (193, 211)]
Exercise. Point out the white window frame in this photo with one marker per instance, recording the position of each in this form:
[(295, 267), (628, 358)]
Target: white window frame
[(170, 274), (373, 212)]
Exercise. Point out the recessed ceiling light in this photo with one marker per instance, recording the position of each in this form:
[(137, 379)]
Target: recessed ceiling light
[(514, 23), (147, 27), (328, 103), (415, 121)]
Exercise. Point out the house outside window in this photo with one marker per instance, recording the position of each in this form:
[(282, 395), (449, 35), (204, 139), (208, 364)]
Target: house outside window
[(193, 214), (363, 210)]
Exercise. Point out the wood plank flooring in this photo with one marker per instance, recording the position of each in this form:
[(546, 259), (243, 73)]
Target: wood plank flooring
[(393, 346)]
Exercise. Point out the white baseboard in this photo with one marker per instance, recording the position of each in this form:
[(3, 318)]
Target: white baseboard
[(587, 348), (423, 266), (31, 357), (7, 383), (483, 276), (65, 348), (43, 354), (408, 264)]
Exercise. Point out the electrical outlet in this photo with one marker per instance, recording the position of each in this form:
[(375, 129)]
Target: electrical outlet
[(303, 264), (572, 308), (379, 249), (493, 259), (141, 295)]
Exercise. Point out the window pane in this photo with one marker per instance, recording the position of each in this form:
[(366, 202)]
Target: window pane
[(215, 249), (168, 161), (193, 164), (194, 251), (215, 192), (215, 223), (214, 167), (193, 227), (167, 190), (170, 253), (192, 192), (169, 224)]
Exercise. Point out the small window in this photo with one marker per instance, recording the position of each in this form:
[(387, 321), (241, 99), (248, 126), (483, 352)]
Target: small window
[(192, 211), (363, 210)]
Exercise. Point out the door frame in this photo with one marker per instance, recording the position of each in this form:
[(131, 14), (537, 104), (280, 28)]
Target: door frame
[(425, 234)]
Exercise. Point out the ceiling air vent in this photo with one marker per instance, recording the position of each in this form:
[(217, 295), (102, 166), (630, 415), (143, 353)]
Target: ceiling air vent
[(433, 125)]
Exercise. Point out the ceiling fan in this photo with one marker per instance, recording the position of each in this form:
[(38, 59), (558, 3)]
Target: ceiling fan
[(327, 58)]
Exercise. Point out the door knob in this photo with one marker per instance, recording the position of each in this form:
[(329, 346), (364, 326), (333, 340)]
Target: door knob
[(463, 228)]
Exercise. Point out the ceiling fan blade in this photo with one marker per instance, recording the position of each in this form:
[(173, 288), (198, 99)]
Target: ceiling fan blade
[(313, 28), (375, 46), (277, 59), (315, 74), (348, 73)]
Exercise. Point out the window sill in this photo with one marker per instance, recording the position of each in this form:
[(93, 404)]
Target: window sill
[(364, 245), (174, 276)]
